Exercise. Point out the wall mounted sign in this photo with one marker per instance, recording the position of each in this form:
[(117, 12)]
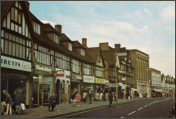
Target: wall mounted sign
[(12, 63), (43, 69), (98, 80), (60, 73), (88, 79), (113, 85), (66, 76)]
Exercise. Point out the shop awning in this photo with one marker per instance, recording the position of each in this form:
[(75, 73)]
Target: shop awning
[(159, 90), (134, 89)]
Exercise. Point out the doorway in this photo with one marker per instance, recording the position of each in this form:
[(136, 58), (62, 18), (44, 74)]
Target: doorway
[(44, 94)]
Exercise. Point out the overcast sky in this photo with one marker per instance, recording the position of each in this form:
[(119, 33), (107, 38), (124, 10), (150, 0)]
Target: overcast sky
[(148, 26)]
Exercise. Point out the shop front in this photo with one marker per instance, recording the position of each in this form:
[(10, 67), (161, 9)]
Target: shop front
[(88, 84), (62, 86), (99, 88), (113, 87), (75, 84), (43, 84), (15, 74), (122, 90)]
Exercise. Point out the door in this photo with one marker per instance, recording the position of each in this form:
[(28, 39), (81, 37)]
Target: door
[(44, 94)]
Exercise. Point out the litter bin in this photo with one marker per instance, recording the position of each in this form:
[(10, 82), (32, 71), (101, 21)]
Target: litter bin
[(74, 102)]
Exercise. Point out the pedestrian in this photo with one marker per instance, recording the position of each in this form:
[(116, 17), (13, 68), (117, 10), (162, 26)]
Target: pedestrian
[(19, 98), (52, 102), (78, 99), (8, 100), (115, 96), (90, 96), (110, 96), (103, 97)]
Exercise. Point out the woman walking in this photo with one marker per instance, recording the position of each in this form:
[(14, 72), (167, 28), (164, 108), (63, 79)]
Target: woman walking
[(78, 99), (8, 100), (19, 98), (52, 102)]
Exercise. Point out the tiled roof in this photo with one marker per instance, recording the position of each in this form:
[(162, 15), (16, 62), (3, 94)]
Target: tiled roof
[(5, 6), (35, 18), (109, 56), (76, 44), (93, 53), (64, 38), (47, 28)]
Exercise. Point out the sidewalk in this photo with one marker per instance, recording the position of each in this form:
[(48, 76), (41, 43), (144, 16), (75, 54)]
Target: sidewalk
[(64, 109)]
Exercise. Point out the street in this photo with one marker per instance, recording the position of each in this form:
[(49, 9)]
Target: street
[(149, 108)]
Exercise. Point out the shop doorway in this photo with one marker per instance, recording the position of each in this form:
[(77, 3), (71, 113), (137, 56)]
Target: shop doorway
[(44, 94)]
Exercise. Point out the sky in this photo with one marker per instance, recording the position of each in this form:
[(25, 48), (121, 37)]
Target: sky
[(148, 26)]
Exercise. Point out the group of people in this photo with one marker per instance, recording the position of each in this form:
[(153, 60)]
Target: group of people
[(88, 96), (19, 98)]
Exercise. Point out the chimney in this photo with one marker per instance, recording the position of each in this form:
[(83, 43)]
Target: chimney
[(84, 42), (104, 46), (117, 46), (58, 28)]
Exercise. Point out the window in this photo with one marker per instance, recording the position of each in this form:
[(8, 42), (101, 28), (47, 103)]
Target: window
[(75, 66), (16, 15), (56, 39), (83, 52), (99, 72), (70, 46), (87, 69), (36, 27)]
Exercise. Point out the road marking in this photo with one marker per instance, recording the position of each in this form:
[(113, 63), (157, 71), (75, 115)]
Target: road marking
[(145, 105), (131, 112), (156, 101), (121, 117), (140, 108), (150, 104), (153, 102)]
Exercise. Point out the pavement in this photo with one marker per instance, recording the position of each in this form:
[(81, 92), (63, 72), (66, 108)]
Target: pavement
[(64, 109)]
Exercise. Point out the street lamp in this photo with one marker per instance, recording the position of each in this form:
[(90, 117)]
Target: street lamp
[(118, 65)]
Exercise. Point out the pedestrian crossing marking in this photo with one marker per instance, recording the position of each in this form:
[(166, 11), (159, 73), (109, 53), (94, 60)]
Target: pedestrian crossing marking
[(131, 112), (140, 108), (121, 117)]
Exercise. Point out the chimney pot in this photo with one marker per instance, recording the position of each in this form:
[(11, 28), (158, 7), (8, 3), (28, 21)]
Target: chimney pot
[(117, 46)]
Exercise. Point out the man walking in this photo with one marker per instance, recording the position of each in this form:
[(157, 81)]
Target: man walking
[(90, 96), (8, 100), (110, 96)]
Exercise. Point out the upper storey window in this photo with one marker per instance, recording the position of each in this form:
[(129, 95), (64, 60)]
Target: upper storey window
[(70, 46), (36, 27), (56, 38), (83, 52), (16, 15)]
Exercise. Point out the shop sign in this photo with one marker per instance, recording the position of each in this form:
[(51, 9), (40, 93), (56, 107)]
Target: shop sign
[(60, 73), (12, 63), (76, 77), (88, 79), (98, 80), (124, 79), (40, 68), (112, 85)]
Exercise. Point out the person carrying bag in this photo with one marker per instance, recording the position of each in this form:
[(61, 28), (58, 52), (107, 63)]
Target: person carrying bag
[(19, 102)]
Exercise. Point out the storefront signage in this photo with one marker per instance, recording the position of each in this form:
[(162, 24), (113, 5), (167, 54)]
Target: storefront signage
[(12, 63), (43, 69), (60, 73), (124, 79), (112, 85), (98, 80), (88, 79), (66, 76), (76, 77)]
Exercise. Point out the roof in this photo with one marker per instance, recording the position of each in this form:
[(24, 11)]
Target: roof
[(138, 51), (35, 18), (109, 55), (5, 6), (65, 38), (47, 28), (77, 44), (154, 70), (93, 53)]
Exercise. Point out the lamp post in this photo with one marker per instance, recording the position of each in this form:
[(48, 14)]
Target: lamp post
[(118, 65)]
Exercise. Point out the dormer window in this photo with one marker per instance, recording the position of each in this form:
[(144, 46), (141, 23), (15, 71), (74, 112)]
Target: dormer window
[(70, 46), (83, 52), (16, 15), (56, 38), (36, 27)]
